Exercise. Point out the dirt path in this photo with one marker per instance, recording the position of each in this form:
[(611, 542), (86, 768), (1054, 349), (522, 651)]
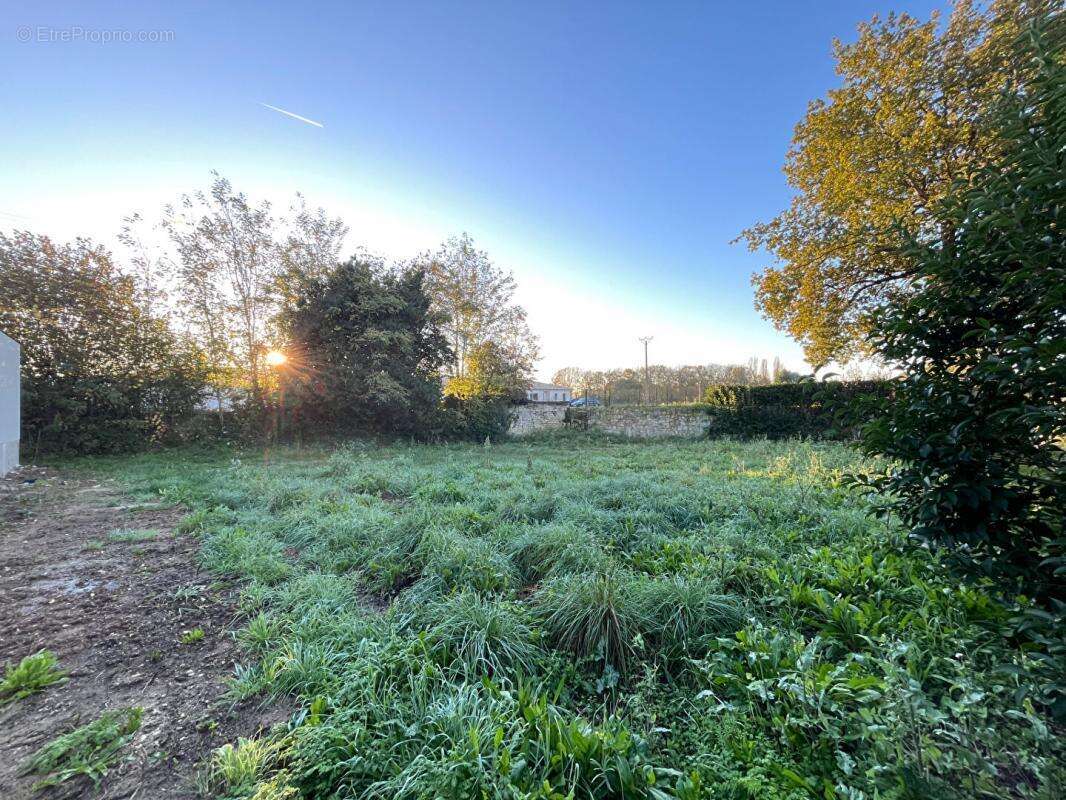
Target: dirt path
[(113, 609)]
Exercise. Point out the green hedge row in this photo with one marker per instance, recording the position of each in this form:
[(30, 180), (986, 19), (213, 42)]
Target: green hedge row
[(778, 411)]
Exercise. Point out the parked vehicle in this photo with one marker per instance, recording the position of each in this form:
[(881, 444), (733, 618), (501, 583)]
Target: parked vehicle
[(581, 402)]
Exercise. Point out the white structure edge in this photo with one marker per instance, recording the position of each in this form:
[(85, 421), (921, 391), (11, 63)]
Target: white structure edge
[(10, 401)]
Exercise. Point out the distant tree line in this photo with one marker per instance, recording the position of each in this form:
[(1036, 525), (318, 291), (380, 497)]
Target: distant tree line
[(670, 384), (223, 303)]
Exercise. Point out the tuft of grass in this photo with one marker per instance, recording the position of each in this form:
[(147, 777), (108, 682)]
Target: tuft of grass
[(457, 561), (597, 616), (235, 770), (184, 594), (549, 551), (33, 674), (476, 636), (685, 612), (134, 535), (86, 751), (260, 634), (194, 636)]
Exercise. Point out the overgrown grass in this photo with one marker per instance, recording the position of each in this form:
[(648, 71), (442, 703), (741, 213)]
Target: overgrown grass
[(32, 674), (86, 751), (134, 535), (588, 618)]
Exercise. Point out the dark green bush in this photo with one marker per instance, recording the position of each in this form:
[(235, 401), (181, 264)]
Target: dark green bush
[(475, 419), (100, 371), (784, 410), (365, 350), (974, 435)]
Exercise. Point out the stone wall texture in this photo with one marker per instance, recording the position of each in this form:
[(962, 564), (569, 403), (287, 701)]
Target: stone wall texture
[(534, 417), (637, 422), (650, 422)]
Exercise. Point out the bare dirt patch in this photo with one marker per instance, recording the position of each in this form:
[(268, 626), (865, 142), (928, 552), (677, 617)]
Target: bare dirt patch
[(113, 608)]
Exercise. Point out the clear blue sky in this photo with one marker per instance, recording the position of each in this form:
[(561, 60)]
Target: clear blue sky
[(606, 152)]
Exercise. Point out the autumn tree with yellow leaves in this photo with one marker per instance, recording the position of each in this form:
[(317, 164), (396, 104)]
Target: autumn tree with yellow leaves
[(909, 121)]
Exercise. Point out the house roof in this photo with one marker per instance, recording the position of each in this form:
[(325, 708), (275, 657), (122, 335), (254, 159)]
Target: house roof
[(537, 386)]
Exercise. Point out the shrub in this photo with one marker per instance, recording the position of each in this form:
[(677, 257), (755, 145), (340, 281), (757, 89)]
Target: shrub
[(976, 430), (366, 352), (474, 419), (785, 410), (100, 373), (977, 425)]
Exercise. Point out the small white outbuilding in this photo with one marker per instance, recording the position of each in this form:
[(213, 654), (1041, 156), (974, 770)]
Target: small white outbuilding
[(10, 399), (547, 393)]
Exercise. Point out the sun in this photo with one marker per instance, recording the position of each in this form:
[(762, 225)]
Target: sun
[(276, 358)]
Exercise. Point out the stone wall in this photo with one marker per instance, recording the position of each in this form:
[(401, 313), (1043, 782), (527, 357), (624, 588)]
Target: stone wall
[(650, 422), (534, 417), (637, 422)]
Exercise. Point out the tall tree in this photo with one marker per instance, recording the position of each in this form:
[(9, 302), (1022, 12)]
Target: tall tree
[(232, 261), (311, 247), (228, 261), (365, 350), (489, 374), (476, 300), (909, 120)]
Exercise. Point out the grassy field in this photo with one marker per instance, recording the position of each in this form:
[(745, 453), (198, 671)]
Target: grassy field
[(584, 618)]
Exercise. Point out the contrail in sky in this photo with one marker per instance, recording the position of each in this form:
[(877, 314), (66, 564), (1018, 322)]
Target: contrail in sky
[(294, 116)]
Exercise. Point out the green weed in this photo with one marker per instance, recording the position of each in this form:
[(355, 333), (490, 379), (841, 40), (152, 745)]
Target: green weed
[(86, 751), (32, 674)]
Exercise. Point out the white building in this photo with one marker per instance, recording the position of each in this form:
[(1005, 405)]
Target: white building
[(547, 393), (10, 401)]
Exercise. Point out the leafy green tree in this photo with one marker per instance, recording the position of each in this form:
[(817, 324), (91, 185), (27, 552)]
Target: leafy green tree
[(228, 260), (489, 374), (232, 262), (909, 119), (476, 301), (365, 352), (99, 373), (978, 423)]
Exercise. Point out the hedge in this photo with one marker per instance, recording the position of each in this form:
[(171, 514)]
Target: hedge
[(778, 411)]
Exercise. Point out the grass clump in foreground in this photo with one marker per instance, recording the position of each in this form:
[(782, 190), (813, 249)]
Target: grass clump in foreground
[(33, 674), (594, 619), (86, 751)]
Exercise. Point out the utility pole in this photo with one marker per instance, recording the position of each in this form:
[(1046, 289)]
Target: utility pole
[(647, 381)]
